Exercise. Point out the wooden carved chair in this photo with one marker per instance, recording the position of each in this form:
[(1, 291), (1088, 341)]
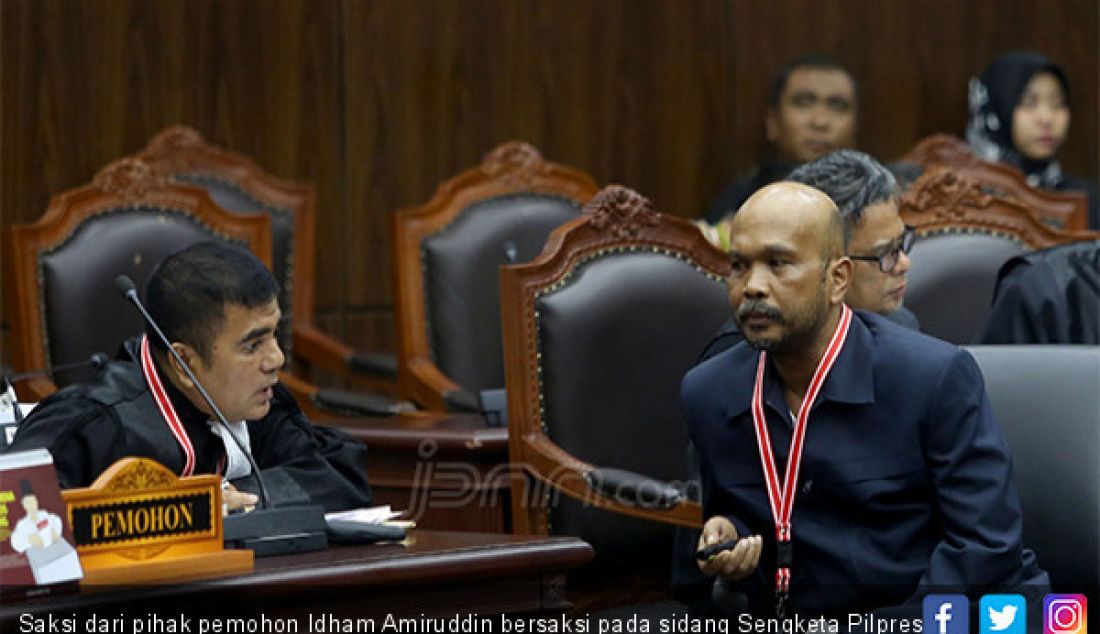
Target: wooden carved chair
[(446, 259), (598, 332), (1064, 210), (964, 235), (61, 298), (238, 185)]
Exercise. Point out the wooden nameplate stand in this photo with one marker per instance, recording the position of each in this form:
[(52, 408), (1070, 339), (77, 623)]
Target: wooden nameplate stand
[(139, 523)]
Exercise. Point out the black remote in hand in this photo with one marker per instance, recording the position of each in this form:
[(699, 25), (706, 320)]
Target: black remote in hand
[(704, 554)]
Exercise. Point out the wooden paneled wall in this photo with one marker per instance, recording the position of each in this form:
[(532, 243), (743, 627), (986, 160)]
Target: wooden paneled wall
[(377, 101)]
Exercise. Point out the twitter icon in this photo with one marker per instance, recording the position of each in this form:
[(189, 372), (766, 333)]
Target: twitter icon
[(1002, 614)]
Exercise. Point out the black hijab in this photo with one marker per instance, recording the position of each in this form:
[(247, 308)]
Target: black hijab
[(993, 98)]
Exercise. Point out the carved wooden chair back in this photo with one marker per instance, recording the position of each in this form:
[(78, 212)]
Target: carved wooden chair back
[(964, 235), (61, 298)]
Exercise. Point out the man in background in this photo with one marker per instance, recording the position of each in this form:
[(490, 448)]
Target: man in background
[(811, 112)]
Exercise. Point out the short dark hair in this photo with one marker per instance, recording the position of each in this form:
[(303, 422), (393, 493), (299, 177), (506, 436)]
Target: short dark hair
[(818, 61), (188, 291), (852, 179)]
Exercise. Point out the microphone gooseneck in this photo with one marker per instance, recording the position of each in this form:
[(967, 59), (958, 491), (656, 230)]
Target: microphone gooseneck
[(97, 362), (126, 286)]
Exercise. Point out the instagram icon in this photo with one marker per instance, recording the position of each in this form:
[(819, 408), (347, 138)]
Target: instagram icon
[(1065, 614)]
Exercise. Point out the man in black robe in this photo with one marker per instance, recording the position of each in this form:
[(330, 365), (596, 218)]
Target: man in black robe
[(1048, 297), (218, 307)]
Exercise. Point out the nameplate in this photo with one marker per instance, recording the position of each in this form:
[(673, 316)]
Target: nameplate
[(146, 520), (138, 503), (139, 512)]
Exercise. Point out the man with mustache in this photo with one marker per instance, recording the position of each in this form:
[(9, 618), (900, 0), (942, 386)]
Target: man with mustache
[(218, 307), (858, 462), (866, 193)]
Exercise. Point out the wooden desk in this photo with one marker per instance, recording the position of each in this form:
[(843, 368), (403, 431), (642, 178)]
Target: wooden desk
[(433, 573), (449, 470)]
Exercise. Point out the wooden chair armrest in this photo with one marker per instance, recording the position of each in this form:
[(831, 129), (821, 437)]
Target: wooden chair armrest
[(427, 386), (35, 389), (328, 353), (549, 463)]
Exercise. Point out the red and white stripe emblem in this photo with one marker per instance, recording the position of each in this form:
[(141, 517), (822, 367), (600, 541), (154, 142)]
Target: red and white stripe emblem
[(781, 496), (160, 397)]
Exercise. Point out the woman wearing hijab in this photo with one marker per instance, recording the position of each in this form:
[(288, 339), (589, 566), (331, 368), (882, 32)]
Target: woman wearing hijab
[(1019, 114)]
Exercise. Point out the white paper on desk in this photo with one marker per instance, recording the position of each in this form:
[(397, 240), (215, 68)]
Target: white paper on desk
[(7, 414), (371, 515), (7, 419)]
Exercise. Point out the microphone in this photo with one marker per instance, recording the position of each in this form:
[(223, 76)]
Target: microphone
[(97, 362), (126, 286), (269, 530)]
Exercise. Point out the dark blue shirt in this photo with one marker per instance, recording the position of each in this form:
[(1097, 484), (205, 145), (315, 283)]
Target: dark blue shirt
[(906, 479)]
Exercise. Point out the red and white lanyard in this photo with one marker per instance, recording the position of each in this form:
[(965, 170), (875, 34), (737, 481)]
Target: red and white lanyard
[(160, 397), (782, 497)]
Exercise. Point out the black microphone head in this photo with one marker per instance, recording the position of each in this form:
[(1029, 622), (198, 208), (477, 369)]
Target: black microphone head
[(125, 285), (98, 361)]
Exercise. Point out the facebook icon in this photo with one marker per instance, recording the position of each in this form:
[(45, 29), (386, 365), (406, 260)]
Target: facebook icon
[(946, 614)]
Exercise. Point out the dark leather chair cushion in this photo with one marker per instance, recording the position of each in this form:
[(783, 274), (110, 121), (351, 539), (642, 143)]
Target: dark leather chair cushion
[(84, 312), (1045, 398), (951, 282), (615, 343), (230, 197), (462, 280)]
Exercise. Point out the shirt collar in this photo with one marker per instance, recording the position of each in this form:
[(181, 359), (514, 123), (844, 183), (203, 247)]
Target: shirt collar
[(850, 381)]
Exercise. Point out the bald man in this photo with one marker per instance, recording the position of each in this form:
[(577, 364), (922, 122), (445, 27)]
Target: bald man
[(902, 479)]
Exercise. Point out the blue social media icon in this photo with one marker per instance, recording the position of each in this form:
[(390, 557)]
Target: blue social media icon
[(1002, 614), (946, 614)]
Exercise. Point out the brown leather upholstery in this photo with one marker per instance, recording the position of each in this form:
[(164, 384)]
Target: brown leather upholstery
[(446, 259), (964, 235), (1063, 210), (599, 331), (62, 268)]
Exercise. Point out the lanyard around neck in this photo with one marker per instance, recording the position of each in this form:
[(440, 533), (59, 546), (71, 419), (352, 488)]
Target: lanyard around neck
[(781, 497), (167, 410)]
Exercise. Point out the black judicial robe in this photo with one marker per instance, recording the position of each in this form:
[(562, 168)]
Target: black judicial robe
[(89, 426), (1048, 297)]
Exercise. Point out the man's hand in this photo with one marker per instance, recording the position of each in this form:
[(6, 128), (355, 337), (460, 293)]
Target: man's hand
[(235, 500), (735, 564)]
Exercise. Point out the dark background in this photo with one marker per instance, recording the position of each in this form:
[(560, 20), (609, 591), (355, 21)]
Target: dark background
[(377, 101)]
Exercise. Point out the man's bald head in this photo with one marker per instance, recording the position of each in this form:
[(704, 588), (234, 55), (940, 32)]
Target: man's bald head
[(788, 274), (802, 208)]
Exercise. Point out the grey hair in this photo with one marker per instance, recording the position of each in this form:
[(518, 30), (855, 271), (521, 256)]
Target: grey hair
[(854, 181)]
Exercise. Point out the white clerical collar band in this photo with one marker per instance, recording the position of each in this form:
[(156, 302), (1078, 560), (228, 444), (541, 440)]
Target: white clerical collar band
[(167, 410)]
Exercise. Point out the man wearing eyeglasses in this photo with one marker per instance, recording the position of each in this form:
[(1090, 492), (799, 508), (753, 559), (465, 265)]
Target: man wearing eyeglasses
[(858, 465), (866, 194)]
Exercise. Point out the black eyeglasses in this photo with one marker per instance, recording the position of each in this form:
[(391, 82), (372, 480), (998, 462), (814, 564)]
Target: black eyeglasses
[(888, 259)]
